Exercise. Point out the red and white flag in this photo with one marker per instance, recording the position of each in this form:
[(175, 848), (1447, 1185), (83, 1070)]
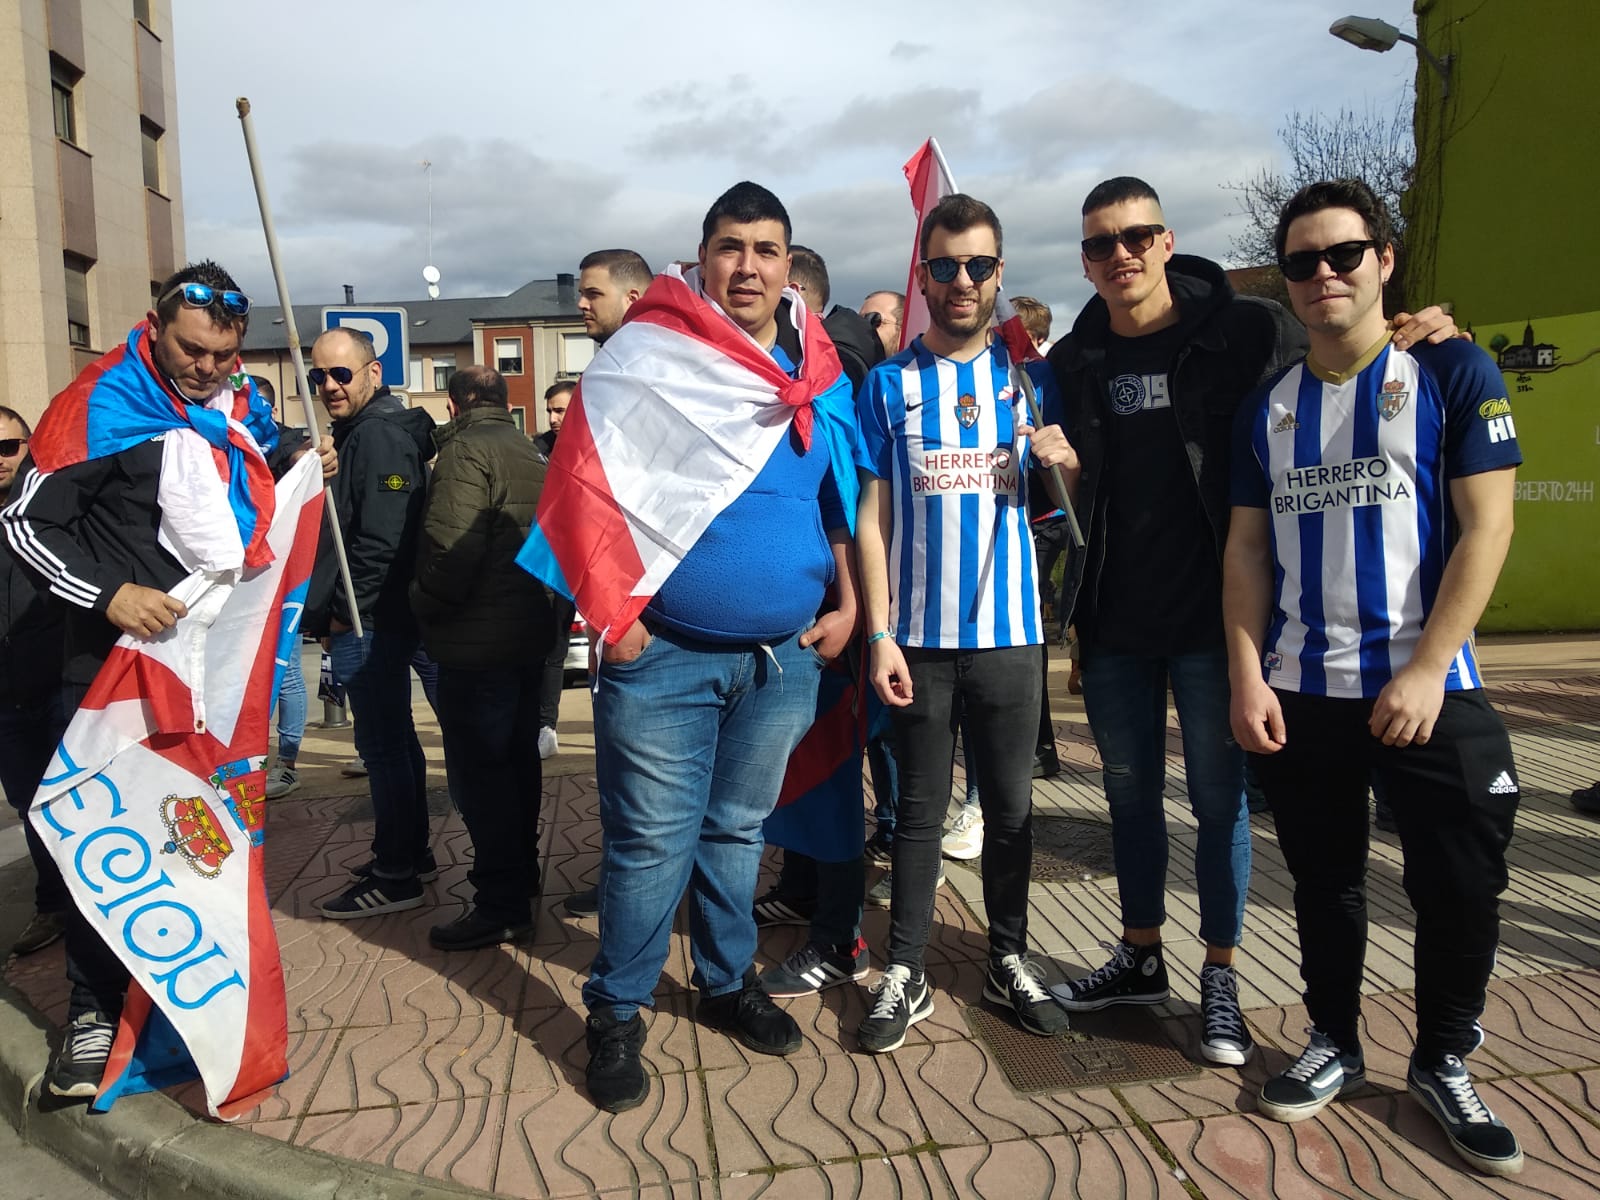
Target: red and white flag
[(154, 806), (673, 418)]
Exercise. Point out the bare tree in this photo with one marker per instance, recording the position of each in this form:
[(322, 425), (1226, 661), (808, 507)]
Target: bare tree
[(1373, 146)]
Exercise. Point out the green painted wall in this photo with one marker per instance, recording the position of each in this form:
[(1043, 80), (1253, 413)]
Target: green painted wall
[(1503, 226)]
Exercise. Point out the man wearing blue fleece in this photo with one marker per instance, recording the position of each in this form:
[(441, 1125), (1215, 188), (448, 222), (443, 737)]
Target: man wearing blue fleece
[(699, 703)]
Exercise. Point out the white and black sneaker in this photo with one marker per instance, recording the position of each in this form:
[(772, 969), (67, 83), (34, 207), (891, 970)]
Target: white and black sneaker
[(1226, 1039), (816, 968), (1019, 985), (1320, 1073), (1475, 1133), (900, 1002), (775, 908), (85, 1049), (1135, 975), (373, 897)]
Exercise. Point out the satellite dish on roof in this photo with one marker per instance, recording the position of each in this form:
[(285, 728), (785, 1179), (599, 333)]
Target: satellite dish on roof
[(430, 274), (433, 291)]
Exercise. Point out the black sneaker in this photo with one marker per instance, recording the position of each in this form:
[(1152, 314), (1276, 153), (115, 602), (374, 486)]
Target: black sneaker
[(373, 897), (44, 929), (473, 930), (1135, 975), (1046, 763), (615, 1077), (815, 968), (1321, 1072), (583, 904), (1226, 1039), (85, 1047), (775, 908), (878, 851), (427, 868), (750, 1015), (1019, 985), (1476, 1134), (901, 1002)]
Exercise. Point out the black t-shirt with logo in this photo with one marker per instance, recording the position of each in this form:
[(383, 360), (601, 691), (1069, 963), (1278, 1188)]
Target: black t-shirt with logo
[(1160, 587)]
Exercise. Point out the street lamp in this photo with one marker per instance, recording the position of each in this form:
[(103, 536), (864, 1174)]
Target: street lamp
[(1369, 33)]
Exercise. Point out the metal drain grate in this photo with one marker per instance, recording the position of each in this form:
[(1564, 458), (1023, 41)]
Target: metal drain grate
[(1067, 848), (1118, 1045)]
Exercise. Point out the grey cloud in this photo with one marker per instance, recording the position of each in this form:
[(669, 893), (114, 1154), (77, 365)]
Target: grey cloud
[(909, 51), (902, 120)]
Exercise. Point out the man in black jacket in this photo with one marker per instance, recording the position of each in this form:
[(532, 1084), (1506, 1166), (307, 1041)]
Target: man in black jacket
[(1150, 378), (486, 622), (379, 493)]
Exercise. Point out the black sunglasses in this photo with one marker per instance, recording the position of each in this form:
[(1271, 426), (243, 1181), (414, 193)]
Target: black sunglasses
[(203, 295), (10, 446), (340, 375), (1342, 257), (876, 319), (944, 270), (1137, 238)]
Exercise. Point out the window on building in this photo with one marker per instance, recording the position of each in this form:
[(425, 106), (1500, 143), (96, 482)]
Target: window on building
[(63, 82), (577, 349), (508, 355), (77, 274), (414, 374), (444, 366), (141, 13), (151, 138), (519, 418)]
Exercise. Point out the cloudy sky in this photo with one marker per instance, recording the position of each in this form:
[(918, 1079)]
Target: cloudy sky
[(557, 129)]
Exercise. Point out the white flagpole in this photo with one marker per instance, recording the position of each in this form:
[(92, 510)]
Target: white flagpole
[(293, 334)]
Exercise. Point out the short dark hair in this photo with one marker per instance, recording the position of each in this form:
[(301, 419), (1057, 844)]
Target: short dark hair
[(957, 213), (1118, 190), (213, 276), (27, 432), (626, 267), (1337, 193), (1035, 316), (809, 270), (743, 203), (559, 386), (478, 386)]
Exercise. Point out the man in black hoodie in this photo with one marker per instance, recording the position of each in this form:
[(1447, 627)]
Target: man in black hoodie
[(379, 492), (1150, 378)]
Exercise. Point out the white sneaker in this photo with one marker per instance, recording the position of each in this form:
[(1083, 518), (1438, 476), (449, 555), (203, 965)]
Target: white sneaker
[(965, 839), (548, 745), (354, 769), (281, 781)]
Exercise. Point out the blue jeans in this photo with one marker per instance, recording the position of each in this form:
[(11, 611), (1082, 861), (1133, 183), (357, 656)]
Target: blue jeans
[(291, 707), (691, 742), (1125, 698), (490, 723), (375, 671)]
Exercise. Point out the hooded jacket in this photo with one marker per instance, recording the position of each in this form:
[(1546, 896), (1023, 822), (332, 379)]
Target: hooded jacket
[(1231, 345), (380, 491)]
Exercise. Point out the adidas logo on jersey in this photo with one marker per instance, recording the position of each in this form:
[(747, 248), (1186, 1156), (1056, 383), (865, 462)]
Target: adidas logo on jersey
[(1503, 784), (1286, 424)]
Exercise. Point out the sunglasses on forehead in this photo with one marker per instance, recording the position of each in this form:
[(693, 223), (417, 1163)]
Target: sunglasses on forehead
[(203, 295), (1136, 238), (1343, 257), (340, 375), (944, 270), (11, 446)]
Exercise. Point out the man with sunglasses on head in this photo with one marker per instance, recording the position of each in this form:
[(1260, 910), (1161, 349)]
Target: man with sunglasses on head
[(1150, 376), (1372, 491), (379, 493), (109, 523), (953, 616)]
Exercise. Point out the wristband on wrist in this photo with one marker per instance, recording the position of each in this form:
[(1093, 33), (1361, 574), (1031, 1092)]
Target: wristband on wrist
[(873, 637)]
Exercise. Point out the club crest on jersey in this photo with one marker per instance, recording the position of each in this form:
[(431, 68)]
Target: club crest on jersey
[(1394, 400), (1274, 661), (967, 410), (1286, 423)]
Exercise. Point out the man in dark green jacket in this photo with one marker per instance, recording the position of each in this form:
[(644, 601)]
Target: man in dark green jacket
[(487, 623)]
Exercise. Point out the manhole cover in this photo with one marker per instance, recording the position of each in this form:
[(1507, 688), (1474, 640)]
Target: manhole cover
[(1070, 848), (1117, 1045), (360, 807)]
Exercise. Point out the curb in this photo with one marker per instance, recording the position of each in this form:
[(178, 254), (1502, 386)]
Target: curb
[(151, 1148)]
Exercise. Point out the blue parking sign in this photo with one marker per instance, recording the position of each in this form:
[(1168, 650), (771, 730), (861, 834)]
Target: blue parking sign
[(389, 330)]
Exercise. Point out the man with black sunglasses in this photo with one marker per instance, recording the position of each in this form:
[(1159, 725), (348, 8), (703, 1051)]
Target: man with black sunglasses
[(380, 493), (1372, 491), (1150, 376)]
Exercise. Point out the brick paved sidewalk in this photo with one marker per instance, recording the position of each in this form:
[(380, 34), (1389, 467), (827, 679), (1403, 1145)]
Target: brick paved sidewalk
[(468, 1067)]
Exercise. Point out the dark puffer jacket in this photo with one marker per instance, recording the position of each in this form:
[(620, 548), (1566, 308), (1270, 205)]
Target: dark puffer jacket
[(476, 607)]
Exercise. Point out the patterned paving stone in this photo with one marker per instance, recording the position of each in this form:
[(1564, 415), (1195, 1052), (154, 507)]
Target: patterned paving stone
[(1545, 1023), (1101, 1164), (908, 1176), (416, 1063), (453, 1140)]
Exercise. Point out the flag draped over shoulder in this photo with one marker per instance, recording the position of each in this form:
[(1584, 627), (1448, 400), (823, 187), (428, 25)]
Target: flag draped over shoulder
[(121, 400), (153, 808), (674, 417)]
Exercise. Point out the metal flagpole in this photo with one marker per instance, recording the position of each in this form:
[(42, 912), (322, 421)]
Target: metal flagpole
[(293, 334)]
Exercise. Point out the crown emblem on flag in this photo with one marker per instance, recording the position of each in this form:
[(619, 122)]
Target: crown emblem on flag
[(1394, 399), (195, 834), (243, 788), (967, 410)]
